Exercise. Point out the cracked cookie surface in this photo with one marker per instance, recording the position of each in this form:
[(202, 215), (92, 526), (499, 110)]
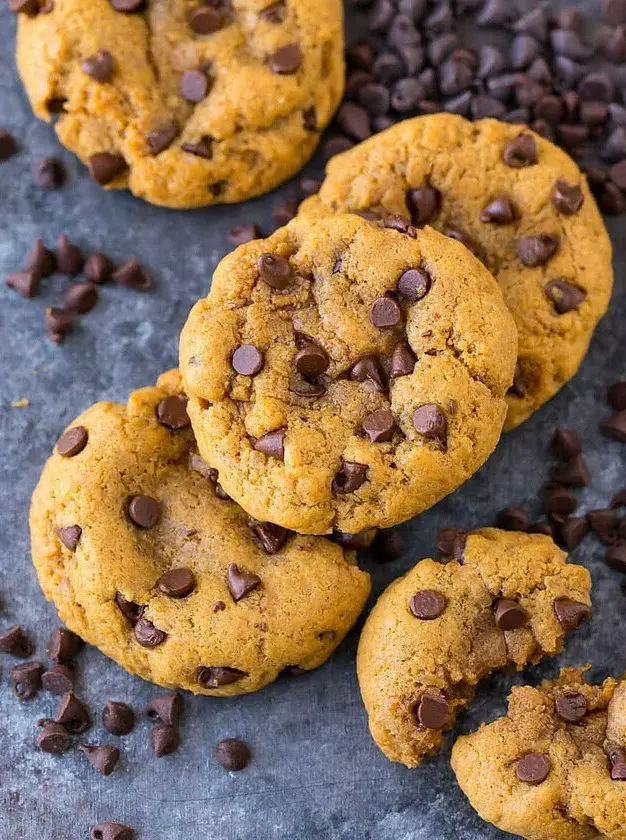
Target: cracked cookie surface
[(182, 103), (144, 558), (345, 376), (554, 768), (522, 204), (436, 632)]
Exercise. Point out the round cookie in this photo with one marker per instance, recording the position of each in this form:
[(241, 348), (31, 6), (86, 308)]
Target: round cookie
[(436, 632), (554, 768), (184, 103), (521, 203), (145, 557), (344, 375)]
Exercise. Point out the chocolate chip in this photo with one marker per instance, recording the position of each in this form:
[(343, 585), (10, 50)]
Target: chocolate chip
[(218, 606), (388, 546), (524, 50), (604, 524), (335, 146), (615, 147), (509, 615), (565, 444), (165, 740), (59, 322), (617, 763), (451, 542), (202, 148), (166, 708), (272, 444), (564, 295), (423, 203), (520, 152), (616, 396), (247, 360), (356, 542), (513, 519), (385, 313), (571, 706), (617, 173), (41, 259), (615, 426), (312, 360), (441, 47), (232, 754), (69, 258), (132, 612), (354, 121), (275, 271), (81, 297), (8, 146), (465, 240), (380, 15), (58, 680), (218, 676), (379, 426), (104, 759), (350, 477), (433, 712), (537, 250), (162, 138), (99, 66), (172, 412), (548, 109), (559, 500), (177, 583), (533, 23), (440, 18), (147, 634), (98, 268), (492, 61), (567, 199), (26, 283), (133, 275), (375, 98), (72, 714), (368, 369), (430, 421), (427, 604), (204, 20), (611, 200), (241, 234), (401, 224), (616, 557), (286, 211), (402, 361), (118, 718), (194, 86), (614, 11), (614, 46), (574, 473), (48, 173), (286, 60), (143, 511), (112, 830), (63, 645), (454, 77), (533, 768), (26, 679), (54, 739), (104, 167), (571, 614), (518, 387), (272, 537), (573, 531), (500, 211), (414, 284), (241, 582), (405, 95), (127, 6)]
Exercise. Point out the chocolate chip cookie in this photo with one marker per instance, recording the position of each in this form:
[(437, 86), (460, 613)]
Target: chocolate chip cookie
[(346, 374), (508, 600), (185, 103), (145, 557), (555, 765), (520, 203)]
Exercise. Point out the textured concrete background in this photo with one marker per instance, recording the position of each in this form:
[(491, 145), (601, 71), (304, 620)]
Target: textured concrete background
[(315, 773)]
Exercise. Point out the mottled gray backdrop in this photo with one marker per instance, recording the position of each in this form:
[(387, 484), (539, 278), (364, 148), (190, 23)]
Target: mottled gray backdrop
[(315, 772)]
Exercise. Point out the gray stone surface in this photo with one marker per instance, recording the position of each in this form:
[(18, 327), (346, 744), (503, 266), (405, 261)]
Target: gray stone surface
[(315, 773)]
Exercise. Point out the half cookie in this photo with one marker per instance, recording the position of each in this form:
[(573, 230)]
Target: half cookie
[(145, 557), (434, 633), (515, 199), (345, 375), (555, 767), (185, 103)]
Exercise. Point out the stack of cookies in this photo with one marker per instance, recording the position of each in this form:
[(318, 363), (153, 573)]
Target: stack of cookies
[(342, 376)]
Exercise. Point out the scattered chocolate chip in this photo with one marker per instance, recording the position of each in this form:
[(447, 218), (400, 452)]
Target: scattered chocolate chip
[(564, 296), (63, 645), (118, 718), (165, 740), (616, 396), (172, 412), (81, 297), (48, 173), (354, 121), (567, 198), (312, 360), (26, 679), (177, 583), (72, 714), (513, 519), (218, 676), (604, 524), (147, 634), (241, 582), (335, 146), (194, 86), (614, 46), (8, 146), (571, 706), (272, 444), (614, 11), (616, 557), (41, 259), (500, 211), (103, 758), (533, 768), (619, 499), (402, 361), (423, 203), (537, 250), (385, 313), (143, 511), (571, 614), (132, 612), (433, 712), (54, 739), (202, 148), (520, 152), (414, 284), (72, 442), (427, 604), (58, 680), (26, 283), (166, 708), (379, 426), (272, 537), (232, 754), (388, 546), (275, 271), (401, 224), (204, 20), (350, 477), (99, 66), (241, 234), (286, 60), (356, 542), (368, 369), (132, 274), (15, 642), (98, 269), (573, 531), (451, 542), (128, 7), (565, 444), (247, 360), (105, 167), (112, 830), (430, 421), (574, 473), (162, 138), (509, 614), (59, 322), (69, 258)]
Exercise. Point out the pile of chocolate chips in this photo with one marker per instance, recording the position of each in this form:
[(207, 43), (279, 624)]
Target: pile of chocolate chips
[(420, 58), (81, 297)]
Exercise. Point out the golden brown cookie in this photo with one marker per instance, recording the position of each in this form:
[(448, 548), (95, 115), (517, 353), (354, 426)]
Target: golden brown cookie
[(517, 200), (554, 768), (185, 103), (434, 633), (344, 375), (145, 557)]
